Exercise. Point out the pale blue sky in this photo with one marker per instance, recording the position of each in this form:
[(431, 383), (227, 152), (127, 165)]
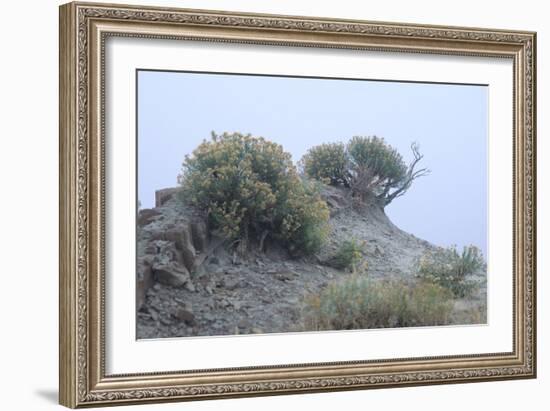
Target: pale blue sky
[(176, 111)]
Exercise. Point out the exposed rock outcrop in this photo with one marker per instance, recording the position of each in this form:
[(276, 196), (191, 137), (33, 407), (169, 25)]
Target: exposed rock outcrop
[(170, 242)]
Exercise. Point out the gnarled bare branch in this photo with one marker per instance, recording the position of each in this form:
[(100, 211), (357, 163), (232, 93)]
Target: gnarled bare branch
[(410, 176)]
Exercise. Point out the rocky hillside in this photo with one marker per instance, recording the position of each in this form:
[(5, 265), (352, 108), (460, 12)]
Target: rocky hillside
[(190, 284)]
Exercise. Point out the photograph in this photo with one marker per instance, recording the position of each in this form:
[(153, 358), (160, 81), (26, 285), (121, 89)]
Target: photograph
[(256, 203), (285, 204)]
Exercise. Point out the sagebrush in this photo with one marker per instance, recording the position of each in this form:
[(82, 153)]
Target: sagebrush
[(250, 189), (369, 166), (361, 303), (327, 163)]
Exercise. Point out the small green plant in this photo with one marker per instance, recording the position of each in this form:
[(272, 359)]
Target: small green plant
[(362, 303), (349, 255), (250, 188), (369, 166), (451, 269)]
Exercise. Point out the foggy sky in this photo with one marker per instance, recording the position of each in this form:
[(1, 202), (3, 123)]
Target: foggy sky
[(176, 111)]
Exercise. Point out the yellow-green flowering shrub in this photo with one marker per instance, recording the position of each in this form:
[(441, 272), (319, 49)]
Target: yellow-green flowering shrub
[(249, 187)]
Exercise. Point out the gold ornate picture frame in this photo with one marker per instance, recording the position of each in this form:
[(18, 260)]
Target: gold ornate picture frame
[(84, 30)]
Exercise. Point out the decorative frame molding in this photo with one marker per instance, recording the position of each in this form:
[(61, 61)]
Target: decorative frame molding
[(83, 30)]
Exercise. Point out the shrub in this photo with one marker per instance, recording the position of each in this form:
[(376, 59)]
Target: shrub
[(360, 303), (304, 220), (368, 165), (249, 187), (374, 165), (451, 269), (349, 255), (327, 162)]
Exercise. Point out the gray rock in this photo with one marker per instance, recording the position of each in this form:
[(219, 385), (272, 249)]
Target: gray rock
[(144, 281), (171, 274), (172, 235), (150, 249), (199, 234), (185, 316), (145, 316), (208, 316), (231, 283), (146, 216), (164, 195), (379, 251), (284, 276), (166, 252), (187, 248), (154, 314), (244, 324)]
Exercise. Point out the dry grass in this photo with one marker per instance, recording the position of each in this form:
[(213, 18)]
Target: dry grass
[(360, 303)]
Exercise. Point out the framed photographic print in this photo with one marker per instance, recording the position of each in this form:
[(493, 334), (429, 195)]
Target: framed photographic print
[(259, 204)]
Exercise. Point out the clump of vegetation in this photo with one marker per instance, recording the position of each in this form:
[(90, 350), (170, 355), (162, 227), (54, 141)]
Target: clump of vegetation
[(349, 255), (473, 314), (367, 165), (361, 303), (327, 163), (250, 189), (451, 269), (302, 218)]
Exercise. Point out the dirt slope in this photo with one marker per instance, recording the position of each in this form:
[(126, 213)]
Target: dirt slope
[(189, 284)]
